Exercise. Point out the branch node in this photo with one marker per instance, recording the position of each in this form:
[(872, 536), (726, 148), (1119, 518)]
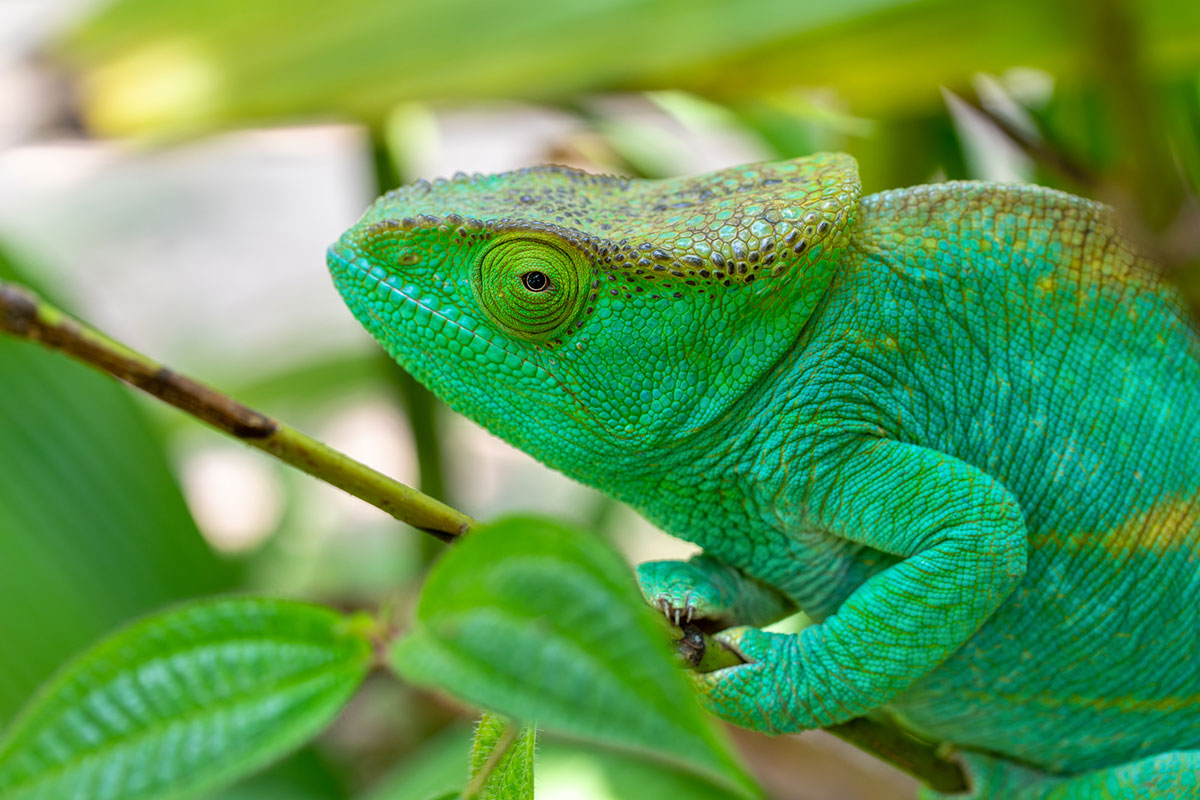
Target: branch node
[(18, 311)]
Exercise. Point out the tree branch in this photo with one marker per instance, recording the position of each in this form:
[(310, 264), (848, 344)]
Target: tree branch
[(26, 316)]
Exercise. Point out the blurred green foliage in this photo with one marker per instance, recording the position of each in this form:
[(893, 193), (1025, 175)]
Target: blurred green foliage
[(93, 527), (152, 66)]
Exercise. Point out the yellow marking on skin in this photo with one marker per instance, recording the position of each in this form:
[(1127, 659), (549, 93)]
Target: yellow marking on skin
[(1161, 527), (1130, 703), (1045, 284), (1166, 528)]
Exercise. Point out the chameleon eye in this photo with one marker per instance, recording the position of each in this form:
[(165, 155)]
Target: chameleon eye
[(535, 281), (530, 286)]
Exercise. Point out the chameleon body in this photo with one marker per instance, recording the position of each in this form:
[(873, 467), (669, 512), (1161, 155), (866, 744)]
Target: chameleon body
[(955, 424)]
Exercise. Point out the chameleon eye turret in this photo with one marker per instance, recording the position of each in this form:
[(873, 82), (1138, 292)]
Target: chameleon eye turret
[(529, 286), (697, 285)]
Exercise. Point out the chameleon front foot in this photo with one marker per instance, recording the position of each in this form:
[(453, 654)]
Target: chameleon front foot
[(679, 613), (709, 593), (761, 692), (687, 591)]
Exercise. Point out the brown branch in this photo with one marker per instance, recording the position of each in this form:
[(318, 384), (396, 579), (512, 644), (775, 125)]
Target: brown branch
[(26, 316)]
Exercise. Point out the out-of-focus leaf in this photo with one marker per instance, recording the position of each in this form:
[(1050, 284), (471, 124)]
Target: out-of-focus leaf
[(545, 624), (185, 701), (153, 67), (1183, 116), (431, 771), (511, 777), (304, 775), (909, 151), (93, 528)]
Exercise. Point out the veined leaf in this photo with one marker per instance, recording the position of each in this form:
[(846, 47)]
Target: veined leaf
[(185, 701), (545, 624)]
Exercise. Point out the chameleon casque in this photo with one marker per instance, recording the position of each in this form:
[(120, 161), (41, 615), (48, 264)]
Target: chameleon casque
[(955, 424)]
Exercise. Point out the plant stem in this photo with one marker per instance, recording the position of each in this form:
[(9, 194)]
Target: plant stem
[(26, 316), (881, 739), (480, 778)]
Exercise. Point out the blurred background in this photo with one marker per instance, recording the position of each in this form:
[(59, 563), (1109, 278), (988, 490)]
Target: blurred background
[(172, 171)]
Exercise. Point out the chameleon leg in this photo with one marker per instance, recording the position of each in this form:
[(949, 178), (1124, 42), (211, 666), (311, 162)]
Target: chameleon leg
[(704, 588), (1166, 776), (962, 541)]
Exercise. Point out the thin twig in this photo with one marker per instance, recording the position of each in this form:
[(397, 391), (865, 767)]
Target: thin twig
[(26, 316), (884, 741)]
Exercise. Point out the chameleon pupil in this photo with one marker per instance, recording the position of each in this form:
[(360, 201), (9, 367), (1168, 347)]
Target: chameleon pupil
[(535, 281)]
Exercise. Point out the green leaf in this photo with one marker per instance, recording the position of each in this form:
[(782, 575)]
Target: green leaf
[(545, 624), (185, 701), (501, 760), (93, 527)]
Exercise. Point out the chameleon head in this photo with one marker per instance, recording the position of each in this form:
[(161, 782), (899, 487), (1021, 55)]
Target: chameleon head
[(588, 318)]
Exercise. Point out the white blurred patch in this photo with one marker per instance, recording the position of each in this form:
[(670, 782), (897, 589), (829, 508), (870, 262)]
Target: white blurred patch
[(989, 153), (375, 432), (234, 494), (567, 778), (210, 255)]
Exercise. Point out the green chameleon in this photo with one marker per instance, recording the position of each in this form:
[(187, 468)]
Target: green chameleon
[(955, 424)]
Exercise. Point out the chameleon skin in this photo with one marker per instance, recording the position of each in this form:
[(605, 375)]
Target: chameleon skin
[(954, 424)]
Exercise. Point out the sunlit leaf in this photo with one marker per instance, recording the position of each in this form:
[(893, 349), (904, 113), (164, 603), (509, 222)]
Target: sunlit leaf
[(185, 701), (544, 624)]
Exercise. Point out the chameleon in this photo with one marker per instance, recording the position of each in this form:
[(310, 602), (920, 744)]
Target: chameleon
[(954, 424)]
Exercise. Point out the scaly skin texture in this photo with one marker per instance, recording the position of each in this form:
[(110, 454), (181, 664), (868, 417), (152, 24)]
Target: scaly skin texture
[(954, 424)]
